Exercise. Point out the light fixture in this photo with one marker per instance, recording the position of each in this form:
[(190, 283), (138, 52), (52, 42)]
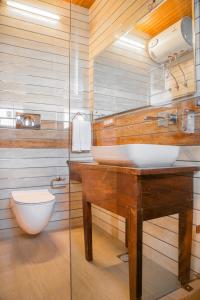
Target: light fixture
[(131, 42), (32, 10)]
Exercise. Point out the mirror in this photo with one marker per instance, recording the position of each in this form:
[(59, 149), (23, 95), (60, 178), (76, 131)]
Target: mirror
[(151, 64)]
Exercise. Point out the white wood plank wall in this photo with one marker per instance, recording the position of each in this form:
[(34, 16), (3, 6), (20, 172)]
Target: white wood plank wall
[(34, 77), (164, 87), (121, 78), (125, 78)]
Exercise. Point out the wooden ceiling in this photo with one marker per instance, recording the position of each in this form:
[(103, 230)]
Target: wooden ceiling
[(84, 3), (165, 15)]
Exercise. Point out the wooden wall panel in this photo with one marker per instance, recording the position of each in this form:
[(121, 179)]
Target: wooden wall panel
[(84, 3), (133, 128), (163, 17)]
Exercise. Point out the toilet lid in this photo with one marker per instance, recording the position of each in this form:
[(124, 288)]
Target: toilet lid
[(32, 197)]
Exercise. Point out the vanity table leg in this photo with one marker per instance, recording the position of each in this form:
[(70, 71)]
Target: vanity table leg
[(126, 233), (135, 253), (185, 244), (87, 224)]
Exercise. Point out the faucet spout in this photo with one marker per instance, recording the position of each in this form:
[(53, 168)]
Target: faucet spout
[(151, 118), (172, 118)]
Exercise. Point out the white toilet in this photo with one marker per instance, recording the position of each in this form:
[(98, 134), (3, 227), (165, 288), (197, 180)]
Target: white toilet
[(32, 209)]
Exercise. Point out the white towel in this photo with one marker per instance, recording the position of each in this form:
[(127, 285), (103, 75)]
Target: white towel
[(81, 135)]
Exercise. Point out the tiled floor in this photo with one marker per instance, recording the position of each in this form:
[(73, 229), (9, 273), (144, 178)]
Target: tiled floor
[(182, 294), (107, 277), (38, 268), (35, 268)]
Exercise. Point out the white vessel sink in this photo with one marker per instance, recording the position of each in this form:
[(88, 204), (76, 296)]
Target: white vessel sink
[(139, 155)]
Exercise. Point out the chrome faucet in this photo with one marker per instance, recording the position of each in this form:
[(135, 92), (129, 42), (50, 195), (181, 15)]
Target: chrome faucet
[(57, 179), (164, 119)]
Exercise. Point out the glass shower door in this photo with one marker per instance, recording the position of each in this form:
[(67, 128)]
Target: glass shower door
[(34, 82)]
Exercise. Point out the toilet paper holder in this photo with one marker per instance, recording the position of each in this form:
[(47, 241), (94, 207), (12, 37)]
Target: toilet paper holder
[(57, 179)]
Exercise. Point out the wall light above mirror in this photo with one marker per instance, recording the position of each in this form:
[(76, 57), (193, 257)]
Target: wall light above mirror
[(135, 43), (33, 10)]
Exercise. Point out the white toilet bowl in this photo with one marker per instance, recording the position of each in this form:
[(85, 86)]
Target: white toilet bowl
[(32, 209)]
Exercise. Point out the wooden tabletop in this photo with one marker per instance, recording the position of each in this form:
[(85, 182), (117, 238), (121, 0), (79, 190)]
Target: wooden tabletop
[(81, 165)]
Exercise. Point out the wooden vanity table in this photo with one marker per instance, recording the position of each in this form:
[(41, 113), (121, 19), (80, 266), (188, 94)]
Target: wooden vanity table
[(138, 195)]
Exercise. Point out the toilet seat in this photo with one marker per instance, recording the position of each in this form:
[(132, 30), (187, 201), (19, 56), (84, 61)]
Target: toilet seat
[(32, 209), (32, 197)]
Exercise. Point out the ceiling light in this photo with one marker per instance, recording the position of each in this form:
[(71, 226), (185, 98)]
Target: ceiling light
[(32, 10)]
